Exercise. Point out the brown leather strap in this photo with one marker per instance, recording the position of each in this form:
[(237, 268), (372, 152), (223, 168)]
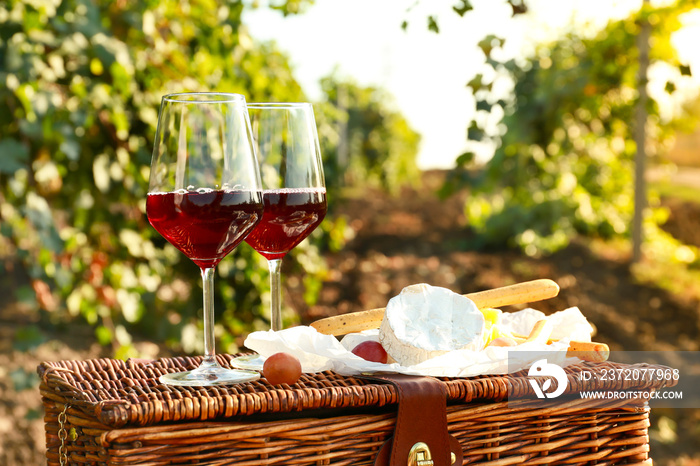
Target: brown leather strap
[(422, 418)]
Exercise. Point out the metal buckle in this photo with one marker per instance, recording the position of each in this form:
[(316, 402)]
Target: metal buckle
[(419, 455)]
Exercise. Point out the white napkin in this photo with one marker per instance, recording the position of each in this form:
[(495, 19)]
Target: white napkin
[(318, 352)]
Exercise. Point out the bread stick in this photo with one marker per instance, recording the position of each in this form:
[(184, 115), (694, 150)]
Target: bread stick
[(520, 293), (541, 332), (588, 351)]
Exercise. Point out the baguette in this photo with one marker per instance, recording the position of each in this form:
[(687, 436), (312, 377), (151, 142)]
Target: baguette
[(520, 293)]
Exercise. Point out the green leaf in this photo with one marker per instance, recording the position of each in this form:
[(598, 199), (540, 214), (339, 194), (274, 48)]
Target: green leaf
[(432, 24), (490, 42), (483, 105), (104, 335), (463, 8), (465, 158), (519, 7), (474, 133), (685, 70), (13, 156), (476, 83)]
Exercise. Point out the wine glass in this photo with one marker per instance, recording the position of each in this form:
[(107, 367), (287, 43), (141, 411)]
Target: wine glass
[(294, 191), (204, 197)]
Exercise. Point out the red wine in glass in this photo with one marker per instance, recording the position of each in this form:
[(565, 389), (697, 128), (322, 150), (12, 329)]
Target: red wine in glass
[(205, 225), (290, 215)]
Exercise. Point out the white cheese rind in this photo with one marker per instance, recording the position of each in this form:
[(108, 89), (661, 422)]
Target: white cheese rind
[(423, 322)]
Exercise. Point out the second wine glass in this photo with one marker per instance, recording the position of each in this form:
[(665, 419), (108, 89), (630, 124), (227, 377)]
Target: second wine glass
[(294, 191)]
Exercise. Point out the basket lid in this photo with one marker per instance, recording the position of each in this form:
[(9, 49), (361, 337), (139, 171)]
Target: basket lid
[(118, 393)]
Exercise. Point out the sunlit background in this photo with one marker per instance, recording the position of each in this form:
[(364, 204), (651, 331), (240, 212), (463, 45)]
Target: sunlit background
[(426, 72)]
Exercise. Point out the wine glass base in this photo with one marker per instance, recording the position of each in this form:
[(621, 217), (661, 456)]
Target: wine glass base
[(253, 362), (209, 376)]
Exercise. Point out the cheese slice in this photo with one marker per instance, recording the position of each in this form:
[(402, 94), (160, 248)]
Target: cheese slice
[(423, 322)]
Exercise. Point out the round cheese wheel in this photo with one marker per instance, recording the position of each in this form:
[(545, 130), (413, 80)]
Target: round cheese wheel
[(423, 322)]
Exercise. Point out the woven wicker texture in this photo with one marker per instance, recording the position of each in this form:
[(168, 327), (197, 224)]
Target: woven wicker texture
[(111, 412)]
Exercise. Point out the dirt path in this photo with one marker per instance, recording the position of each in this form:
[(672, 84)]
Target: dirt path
[(23, 345)]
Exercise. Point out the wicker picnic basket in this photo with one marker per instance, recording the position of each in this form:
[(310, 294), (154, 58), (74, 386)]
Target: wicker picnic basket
[(113, 412)]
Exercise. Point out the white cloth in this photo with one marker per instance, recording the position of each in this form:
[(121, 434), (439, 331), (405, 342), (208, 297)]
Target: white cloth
[(318, 352)]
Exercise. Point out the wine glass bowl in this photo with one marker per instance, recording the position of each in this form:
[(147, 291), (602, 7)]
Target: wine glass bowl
[(204, 197)]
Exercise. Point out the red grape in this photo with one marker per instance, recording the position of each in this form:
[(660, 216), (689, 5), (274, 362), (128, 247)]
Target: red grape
[(282, 368), (371, 351)]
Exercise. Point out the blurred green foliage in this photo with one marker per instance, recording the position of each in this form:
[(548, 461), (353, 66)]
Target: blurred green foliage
[(365, 140), (565, 150), (81, 83)]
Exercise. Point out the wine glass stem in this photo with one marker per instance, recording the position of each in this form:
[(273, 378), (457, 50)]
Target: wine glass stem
[(275, 294), (208, 289)]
